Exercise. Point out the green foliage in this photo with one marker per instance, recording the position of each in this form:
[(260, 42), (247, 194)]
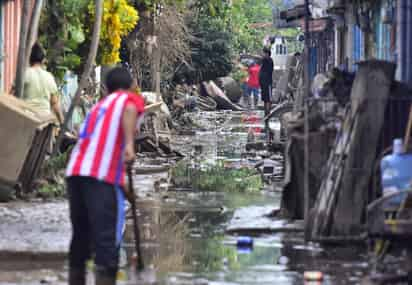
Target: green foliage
[(62, 32), (211, 46), (55, 164), (51, 191), (217, 178), (245, 17), (239, 74), (244, 14), (213, 8), (211, 52), (52, 185)]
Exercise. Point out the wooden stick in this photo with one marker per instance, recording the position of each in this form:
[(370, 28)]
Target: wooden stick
[(139, 264), (408, 131)]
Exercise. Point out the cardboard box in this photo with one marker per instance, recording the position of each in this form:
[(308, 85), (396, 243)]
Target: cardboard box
[(23, 133)]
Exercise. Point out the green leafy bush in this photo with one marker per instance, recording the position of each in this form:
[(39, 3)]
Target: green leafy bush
[(239, 75), (52, 183), (217, 178)]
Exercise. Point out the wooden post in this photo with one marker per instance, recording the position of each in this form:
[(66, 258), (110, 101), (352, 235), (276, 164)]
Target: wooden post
[(33, 27), (306, 123), (86, 73), (21, 59), (156, 73), (156, 59)]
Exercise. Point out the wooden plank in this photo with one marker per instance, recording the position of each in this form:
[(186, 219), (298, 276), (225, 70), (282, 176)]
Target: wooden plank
[(351, 164), (408, 131), (369, 97)]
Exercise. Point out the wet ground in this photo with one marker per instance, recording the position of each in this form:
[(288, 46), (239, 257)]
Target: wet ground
[(183, 230)]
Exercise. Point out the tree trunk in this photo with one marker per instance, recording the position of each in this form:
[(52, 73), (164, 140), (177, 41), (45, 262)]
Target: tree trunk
[(33, 27), (21, 58), (86, 73)]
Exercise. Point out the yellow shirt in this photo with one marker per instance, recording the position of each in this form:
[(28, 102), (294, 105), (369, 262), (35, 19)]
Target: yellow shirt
[(39, 85)]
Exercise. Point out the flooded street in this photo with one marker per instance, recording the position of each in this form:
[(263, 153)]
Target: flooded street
[(183, 230), (192, 247), (194, 142)]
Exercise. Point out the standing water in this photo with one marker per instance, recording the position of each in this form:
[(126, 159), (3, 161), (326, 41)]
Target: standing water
[(184, 230)]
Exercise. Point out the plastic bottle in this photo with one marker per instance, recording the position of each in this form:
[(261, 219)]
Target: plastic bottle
[(396, 170)]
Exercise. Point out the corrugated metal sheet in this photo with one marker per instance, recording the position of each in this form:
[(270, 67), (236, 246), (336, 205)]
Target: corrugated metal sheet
[(383, 32), (313, 62), (404, 41), (11, 31), (11, 18), (358, 49)]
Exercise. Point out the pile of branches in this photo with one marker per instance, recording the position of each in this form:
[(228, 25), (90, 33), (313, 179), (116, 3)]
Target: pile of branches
[(161, 33)]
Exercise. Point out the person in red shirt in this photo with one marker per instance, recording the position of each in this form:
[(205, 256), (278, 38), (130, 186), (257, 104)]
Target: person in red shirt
[(253, 85), (95, 178)]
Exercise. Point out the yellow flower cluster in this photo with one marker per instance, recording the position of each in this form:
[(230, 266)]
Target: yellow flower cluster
[(119, 19)]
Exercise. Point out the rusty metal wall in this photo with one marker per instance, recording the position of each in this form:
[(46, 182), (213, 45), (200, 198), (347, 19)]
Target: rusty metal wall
[(11, 31), (11, 17)]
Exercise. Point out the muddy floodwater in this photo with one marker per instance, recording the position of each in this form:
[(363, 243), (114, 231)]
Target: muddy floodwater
[(183, 229)]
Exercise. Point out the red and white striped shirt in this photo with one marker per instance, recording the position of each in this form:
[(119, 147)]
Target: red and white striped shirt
[(99, 150)]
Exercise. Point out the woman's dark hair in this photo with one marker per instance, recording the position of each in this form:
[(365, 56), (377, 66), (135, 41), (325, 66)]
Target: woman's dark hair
[(118, 78), (37, 54)]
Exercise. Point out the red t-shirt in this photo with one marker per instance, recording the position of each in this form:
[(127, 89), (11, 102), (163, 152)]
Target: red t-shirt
[(99, 150), (253, 80)]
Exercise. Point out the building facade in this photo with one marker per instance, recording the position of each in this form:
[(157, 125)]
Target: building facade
[(359, 30)]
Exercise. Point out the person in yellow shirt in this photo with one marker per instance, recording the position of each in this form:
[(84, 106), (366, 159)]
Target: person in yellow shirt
[(40, 88)]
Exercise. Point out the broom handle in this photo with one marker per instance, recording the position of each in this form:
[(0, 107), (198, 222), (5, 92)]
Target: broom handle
[(140, 264), (408, 131)]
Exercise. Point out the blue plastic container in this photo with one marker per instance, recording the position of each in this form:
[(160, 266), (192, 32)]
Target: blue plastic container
[(396, 170), (244, 245), (244, 242), (244, 250)]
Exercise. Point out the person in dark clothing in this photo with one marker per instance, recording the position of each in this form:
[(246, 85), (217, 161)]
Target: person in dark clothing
[(265, 80), (96, 179)]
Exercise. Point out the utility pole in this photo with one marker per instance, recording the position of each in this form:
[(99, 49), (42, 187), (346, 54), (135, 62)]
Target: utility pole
[(306, 123), (33, 28)]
